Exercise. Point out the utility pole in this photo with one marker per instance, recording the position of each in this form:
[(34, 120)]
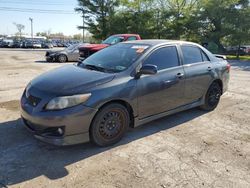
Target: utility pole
[(31, 24), (82, 26)]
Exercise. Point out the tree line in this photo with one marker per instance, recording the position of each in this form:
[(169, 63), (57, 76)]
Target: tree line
[(213, 22)]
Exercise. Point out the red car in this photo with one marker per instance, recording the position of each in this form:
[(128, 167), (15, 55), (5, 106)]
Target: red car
[(88, 50)]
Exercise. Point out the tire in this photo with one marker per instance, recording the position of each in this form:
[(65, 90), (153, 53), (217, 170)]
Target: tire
[(109, 125), (62, 58), (212, 97)]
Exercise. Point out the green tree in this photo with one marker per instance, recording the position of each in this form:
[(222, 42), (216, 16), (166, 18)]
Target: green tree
[(211, 21), (240, 32), (218, 19), (77, 36), (97, 16)]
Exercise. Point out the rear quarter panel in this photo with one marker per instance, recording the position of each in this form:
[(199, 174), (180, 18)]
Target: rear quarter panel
[(222, 72)]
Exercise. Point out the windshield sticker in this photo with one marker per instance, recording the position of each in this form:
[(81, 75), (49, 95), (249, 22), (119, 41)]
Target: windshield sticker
[(140, 47), (120, 68), (140, 50)]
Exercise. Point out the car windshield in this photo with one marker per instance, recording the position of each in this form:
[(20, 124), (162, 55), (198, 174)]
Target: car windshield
[(71, 47), (113, 40), (115, 58)]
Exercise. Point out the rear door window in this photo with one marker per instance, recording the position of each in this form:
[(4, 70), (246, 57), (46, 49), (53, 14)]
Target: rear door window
[(163, 58), (191, 54), (204, 56)]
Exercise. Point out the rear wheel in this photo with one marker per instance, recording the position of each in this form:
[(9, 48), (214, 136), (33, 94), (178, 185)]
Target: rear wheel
[(109, 125), (62, 58), (212, 97)]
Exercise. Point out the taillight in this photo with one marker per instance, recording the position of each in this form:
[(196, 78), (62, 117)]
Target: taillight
[(228, 67)]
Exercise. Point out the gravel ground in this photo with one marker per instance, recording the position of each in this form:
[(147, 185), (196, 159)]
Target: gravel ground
[(188, 149)]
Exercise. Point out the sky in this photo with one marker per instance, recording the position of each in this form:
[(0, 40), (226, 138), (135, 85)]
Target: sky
[(16, 11)]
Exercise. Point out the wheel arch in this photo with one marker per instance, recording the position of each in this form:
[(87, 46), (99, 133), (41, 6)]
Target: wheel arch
[(219, 81), (124, 103)]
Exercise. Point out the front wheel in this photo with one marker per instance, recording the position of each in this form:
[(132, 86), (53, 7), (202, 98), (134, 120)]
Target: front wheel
[(212, 97), (62, 58), (109, 125)]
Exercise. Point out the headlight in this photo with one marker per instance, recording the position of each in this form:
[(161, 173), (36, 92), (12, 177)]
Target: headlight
[(66, 101)]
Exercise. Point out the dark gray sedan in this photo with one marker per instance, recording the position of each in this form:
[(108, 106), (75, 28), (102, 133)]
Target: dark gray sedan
[(122, 86)]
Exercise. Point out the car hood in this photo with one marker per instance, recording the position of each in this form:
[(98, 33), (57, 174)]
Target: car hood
[(51, 52), (69, 80), (94, 47)]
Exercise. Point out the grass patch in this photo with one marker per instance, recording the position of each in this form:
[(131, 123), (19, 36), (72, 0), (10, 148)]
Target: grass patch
[(233, 57)]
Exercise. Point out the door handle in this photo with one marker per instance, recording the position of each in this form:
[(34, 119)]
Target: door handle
[(179, 75), (209, 69)]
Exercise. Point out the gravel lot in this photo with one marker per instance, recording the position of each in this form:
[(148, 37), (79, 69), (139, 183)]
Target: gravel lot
[(188, 149)]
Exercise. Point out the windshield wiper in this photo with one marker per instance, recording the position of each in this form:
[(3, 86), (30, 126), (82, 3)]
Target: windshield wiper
[(98, 68), (93, 67)]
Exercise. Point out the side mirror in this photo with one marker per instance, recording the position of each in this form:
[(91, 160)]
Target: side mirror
[(147, 69)]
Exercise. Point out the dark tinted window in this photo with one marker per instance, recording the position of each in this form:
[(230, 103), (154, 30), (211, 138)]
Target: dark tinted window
[(191, 54), (204, 56), (131, 38), (163, 58)]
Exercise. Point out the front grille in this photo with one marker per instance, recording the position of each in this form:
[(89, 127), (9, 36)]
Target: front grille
[(86, 53)]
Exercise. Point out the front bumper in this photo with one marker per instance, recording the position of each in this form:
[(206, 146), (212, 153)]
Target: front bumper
[(73, 122), (50, 58)]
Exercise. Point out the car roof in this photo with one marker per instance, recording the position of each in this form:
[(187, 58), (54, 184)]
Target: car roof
[(125, 35), (154, 42)]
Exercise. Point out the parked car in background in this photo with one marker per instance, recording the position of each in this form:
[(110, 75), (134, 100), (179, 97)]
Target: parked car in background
[(7, 43), (28, 44), (88, 50), (17, 44), (33, 44), (70, 53), (234, 50), (47, 45), (246, 49), (122, 86), (37, 44)]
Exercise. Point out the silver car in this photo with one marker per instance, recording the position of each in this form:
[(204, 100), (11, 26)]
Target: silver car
[(70, 53)]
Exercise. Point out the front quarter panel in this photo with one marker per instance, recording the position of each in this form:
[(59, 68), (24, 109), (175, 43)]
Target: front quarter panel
[(123, 88)]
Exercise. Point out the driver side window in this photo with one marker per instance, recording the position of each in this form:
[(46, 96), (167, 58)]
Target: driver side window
[(163, 58)]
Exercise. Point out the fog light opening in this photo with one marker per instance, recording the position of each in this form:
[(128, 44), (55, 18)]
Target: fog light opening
[(60, 131)]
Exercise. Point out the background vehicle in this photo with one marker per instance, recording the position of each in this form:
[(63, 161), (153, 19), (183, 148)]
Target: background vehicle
[(17, 44), (47, 45), (34, 44), (70, 53), (7, 43), (128, 84), (37, 44), (243, 50), (88, 50)]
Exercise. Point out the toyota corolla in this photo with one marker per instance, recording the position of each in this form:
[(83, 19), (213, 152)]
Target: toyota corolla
[(122, 86)]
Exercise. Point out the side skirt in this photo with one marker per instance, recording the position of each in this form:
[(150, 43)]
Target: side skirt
[(139, 122)]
